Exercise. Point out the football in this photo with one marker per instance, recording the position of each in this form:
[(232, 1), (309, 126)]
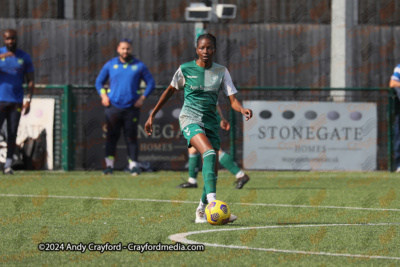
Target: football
[(217, 212)]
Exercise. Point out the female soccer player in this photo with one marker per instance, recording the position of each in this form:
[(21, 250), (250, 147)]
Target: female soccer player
[(201, 80), (224, 159)]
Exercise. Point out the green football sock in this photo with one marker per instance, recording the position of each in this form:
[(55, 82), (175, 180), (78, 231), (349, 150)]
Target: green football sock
[(209, 176), (194, 162), (204, 196), (227, 161)]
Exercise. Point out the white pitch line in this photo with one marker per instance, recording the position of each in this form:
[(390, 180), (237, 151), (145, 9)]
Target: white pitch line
[(102, 198), (196, 202), (181, 237)]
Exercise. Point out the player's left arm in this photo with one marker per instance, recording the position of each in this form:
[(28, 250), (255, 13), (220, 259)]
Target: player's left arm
[(150, 85), (235, 104), (29, 76), (230, 90)]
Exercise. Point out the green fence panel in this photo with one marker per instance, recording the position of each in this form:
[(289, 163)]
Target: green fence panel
[(65, 129)]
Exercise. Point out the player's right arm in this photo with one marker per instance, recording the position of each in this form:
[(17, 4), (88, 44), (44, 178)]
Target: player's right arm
[(100, 81), (178, 82), (148, 127), (224, 123)]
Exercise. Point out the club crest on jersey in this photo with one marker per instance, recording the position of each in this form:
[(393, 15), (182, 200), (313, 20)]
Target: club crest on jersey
[(20, 61), (134, 67), (116, 66), (187, 131)]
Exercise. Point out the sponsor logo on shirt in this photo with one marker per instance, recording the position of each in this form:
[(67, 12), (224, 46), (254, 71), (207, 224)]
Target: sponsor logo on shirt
[(192, 87), (192, 76)]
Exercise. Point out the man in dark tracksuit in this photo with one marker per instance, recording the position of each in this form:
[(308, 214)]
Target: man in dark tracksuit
[(15, 65), (123, 102)]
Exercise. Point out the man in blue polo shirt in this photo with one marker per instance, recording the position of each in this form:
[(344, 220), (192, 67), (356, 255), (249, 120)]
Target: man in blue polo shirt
[(395, 83), (123, 102), (15, 65)]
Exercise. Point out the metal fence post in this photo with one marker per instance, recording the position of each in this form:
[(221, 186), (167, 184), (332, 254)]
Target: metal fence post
[(66, 128), (232, 141), (390, 111)]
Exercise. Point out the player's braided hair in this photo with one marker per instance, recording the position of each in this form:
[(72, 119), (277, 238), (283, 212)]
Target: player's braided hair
[(208, 36)]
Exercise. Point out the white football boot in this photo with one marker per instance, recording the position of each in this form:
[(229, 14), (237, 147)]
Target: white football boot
[(232, 218), (201, 216)]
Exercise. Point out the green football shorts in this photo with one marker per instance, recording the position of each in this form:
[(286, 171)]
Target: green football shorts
[(193, 129)]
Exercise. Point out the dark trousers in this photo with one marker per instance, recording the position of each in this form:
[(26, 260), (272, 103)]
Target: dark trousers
[(11, 112), (126, 119), (397, 140)]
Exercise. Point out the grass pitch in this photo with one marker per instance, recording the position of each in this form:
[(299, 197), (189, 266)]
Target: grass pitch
[(285, 218)]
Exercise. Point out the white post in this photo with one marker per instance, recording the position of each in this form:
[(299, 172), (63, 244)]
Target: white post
[(69, 9), (214, 18), (12, 9), (344, 17), (198, 30)]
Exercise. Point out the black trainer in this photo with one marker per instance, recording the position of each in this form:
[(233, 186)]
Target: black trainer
[(136, 171), (108, 171), (242, 181), (187, 185)]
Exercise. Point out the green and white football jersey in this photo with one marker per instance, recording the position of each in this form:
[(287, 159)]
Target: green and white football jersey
[(201, 87)]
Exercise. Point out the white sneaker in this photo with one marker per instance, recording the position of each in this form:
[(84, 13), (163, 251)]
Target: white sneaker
[(200, 216), (398, 170), (8, 170), (232, 218)]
